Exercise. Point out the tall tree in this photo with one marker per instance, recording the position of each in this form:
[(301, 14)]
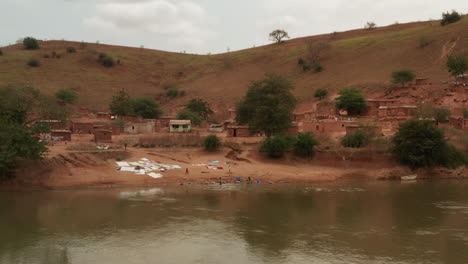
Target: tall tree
[(200, 107), (403, 76), (122, 104), (268, 105), (351, 100), (147, 107), (278, 35), (20, 107)]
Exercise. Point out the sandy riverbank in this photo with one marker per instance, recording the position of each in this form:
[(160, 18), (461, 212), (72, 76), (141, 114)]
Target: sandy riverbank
[(73, 169)]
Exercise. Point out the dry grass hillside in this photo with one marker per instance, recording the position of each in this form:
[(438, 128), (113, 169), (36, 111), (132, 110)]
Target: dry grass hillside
[(363, 58)]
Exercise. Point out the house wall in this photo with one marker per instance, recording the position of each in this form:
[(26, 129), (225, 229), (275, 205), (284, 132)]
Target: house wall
[(238, 132), (140, 128), (82, 128), (180, 128), (103, 136), (324, 126)]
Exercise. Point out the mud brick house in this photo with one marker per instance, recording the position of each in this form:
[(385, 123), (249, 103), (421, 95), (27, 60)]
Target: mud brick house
[(162, 123), (140, 127), (64, 135), (115, 129), (238, 131), (215, 128), (403, 112), (102, 135), (180, 126), (373, 105), (325, 126), (82, 127), (52, 124)]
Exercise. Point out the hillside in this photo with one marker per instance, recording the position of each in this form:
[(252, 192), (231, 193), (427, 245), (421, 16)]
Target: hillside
[(363, 58)]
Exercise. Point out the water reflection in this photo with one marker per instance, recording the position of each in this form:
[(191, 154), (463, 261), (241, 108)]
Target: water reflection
[(365, 222)]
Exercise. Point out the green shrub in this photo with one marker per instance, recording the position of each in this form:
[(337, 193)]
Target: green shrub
[(318, 67), (147, 107), (67, 96), (186, 114), (71, 50), (46, 56), (306, 67), (1, 52), (301, 61), (119, 158), (320, 93), (33, 62), (452, 158), (212, 143), (30, 43), (277, 146), (449, 18), (403, 76), (358, 139), (465, 113), (107, 61), (172, 93), (351, 100), (54, 54), (304, 145)]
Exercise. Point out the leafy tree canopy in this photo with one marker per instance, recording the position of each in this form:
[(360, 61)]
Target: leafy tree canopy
[(450, 17), (320, 93), (351, 100), (305, 144), (30, 43), (189, 115), (200, 107), (147, 107), (276, 146), (122, 104), (268, 105), (278, 35), (457, 65)]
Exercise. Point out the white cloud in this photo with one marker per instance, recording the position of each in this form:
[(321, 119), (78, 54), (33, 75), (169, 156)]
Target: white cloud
[(179, 24)]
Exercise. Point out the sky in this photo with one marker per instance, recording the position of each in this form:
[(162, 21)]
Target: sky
[(202, 26)]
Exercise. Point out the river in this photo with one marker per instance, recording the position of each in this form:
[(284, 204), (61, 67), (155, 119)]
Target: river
[(344, 222)]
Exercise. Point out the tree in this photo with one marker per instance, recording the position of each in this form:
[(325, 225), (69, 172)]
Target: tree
[(403, 76), (320, 93), (351, 100), (189, 115), (200, 107), (18, 130), (172, 93), (30, 43), (268, 105), (370, 25), (147, 107), (276, 146), (66, 95), (33, 62), (71, 50), (304, 145), (212, 143), (122, 104), (1, 52), (107, 61), (357, 139), (418, 143), (426, 111), (278, 35), (449, 18), (457, 65)]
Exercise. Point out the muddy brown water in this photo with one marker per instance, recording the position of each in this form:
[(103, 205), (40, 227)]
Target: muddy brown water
[(347, 222)]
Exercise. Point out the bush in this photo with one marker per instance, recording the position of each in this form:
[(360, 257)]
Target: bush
[(449, 18), (301, 61), (1, 52), (107, 61), (182, 93), (30, 43), (46, 56), (277, 146), (304, 145), (119, 158), (212, 143), (320, 93), (172, 93), (403, 76), (452, 158), (306, 67), (358, 139), (465, 113), (33, 62), (147, 107), (318, 67), (71, 50), (67, 96), (457, 65)]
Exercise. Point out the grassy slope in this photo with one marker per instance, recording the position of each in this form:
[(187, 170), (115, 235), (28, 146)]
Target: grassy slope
[(356, 58)]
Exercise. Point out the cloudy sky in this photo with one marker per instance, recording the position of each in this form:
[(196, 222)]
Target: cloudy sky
[(202, 26)]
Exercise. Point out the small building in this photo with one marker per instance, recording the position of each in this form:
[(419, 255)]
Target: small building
[(52, 124), (215, 128), (102, 135), (180, 126), (238, 131), (373, 105), (64, 135), (396, 111), (140, 127), (82, 127)]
